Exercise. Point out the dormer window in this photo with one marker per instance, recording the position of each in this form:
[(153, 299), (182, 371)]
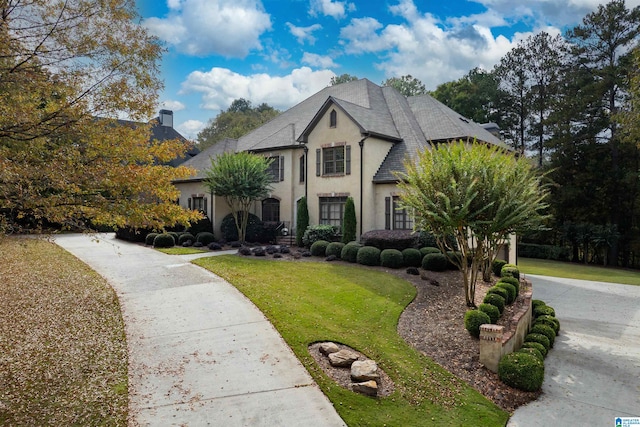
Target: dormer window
[(333, 118)]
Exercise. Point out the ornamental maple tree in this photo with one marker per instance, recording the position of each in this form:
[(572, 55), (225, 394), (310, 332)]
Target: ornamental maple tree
[(62, 65)]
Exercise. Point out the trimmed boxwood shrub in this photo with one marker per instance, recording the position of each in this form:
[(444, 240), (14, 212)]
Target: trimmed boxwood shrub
[(334, 248), (511, 290), (319, 248), (426, 238), (522, 371), (390, 239), (230, 232), (531, 344), (544, 310), (185, 237), (411, 257), (391, 258), (368, 255), (175, 235), (550, 321), (473, 319), (496, 300), (203, 224), (150, 238), (314, 233), (350, 252), (510, 270), (532, 351), (512, 281), (164, 240), (545, 330), (499, 291), (429, 250), (205, 237), (537, 303), (491, 310), (435, 262), (496, 266), (451, 257), (214, 246), (539, 338)]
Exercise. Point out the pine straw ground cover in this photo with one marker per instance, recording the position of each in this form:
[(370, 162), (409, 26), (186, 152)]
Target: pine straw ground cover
[(63, 354)]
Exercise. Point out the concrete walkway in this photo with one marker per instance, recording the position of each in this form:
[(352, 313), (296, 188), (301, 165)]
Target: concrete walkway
[(592, 375), (200, 353)]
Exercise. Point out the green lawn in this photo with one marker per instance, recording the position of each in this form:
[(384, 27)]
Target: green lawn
[(569, 270), (179, 250), (310, 302)]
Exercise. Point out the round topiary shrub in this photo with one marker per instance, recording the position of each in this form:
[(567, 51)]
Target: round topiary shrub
[(230, 231), (205, 237), (453, 257), (244, 250), (214, 246), (429, 250), (532, 351), (510, 270), (175, 235), (549, 321), (368, 255), (537, 303), (496, 266), (512, 281), (473, 319), (391, 258), (545, 330), (164, 240), (335, 249), (185, 237), (544, 310), (499, 291), (522, 371), (435, 262), (350, 252), (150, 238), (511, 291), (319, 248), (491, 310), (411, 257), (539, 338), (530, 344), (496, 300)]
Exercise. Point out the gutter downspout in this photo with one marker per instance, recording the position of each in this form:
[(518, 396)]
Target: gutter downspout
[(306, 171), (361, 144)]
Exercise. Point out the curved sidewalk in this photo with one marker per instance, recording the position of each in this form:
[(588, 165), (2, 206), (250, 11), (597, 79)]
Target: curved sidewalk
[(200, 353)]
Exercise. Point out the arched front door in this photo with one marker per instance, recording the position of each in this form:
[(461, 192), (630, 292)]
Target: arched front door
[(271, 210)]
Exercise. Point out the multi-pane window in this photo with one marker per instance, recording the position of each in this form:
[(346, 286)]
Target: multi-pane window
[(276, 168), (271, 210), (333, 160), (402, 220), (332, 210), (198, 203)]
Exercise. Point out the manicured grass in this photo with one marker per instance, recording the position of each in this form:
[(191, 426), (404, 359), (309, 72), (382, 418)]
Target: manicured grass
[(570, 270), (179, 250), (311, 302), (63, 350)]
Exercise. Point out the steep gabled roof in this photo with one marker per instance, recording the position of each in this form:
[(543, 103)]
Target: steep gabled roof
[(203, 160)]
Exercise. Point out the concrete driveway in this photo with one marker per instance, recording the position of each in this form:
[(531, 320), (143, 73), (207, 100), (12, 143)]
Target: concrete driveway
[(592, 375)]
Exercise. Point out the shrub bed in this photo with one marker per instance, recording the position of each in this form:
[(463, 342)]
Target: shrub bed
[(532, 250), (412, 257), (532, 344), (350, 252), (164, 240), (335, 249), (512, 281), (496, 300), (148, 240), (435, 262), (185, 237), (499, 291), (473, 319), (522, 371), (539, 338), (319, 232), (511, 291), (510, 270), (429, 250), (532, 351), (544, 310), (549, 321), (319, 248), (368, 255), (492, 311), (545, 330), (391, 258), (205, 237)]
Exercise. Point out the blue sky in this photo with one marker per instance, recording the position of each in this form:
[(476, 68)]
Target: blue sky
[(280, 52)]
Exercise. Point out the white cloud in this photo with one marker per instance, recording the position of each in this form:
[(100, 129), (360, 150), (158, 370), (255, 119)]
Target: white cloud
[(303, 34), (172, 105), (220, 86), (190, 128), (201, 27), (316, 60), (335, 9)]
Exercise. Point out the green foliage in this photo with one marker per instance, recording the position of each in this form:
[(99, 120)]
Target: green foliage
[(511, 290), (406, 85), (532, 250), (510, 270), (240, 179), (185, 237), (496, 266), (149, 239), (314, 233), (334, 248), (343, 78), (499, 291), (539, 338), (492, 311), (549, 321), (435, 262), (164, 240), (230, 230), (454, 260), (205, 237), (391, 258), (544, 310), (429, 250), (537, 303), (473, 319), (302, 220), (368, 255), (319, 248), (349, 224), (532, 351), (541, 348), (512, 281), (412, 257), (522, 371), (350, 252), (545, 330), (430, 240), (496, 300), (202, 225)]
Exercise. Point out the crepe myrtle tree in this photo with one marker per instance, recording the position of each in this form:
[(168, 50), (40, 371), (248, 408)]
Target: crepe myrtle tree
[(476, 192), (241, 179)]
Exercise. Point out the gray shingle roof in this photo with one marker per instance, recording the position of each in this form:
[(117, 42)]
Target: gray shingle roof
[(203, 160)]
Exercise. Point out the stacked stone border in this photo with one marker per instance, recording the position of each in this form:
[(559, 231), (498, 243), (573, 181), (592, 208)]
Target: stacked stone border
[(497, 340)]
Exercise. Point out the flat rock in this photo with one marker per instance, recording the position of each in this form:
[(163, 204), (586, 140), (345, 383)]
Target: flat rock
[(370, 388), (327, 348), (365, 370), (342, 358)]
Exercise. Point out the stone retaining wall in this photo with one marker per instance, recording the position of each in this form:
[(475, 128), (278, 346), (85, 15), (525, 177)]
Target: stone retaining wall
[(498, 340)]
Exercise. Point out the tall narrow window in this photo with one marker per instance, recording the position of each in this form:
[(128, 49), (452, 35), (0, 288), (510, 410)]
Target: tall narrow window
[(276, 168), (333, 118), (332, 210), (302, 168), (402, 220)]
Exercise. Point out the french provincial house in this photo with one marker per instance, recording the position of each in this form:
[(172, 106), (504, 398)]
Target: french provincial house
[(345, 141)]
